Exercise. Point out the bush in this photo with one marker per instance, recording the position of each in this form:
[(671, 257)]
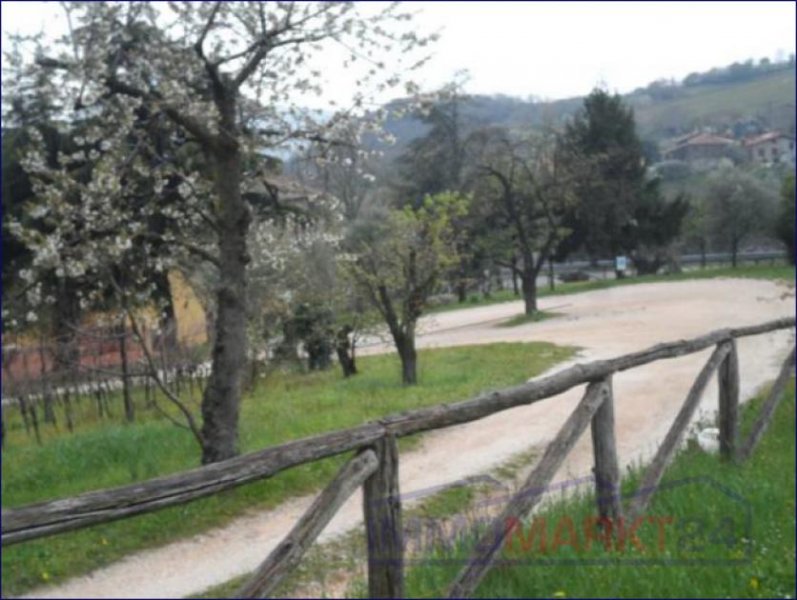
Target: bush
[(574, 276), (441, 300)]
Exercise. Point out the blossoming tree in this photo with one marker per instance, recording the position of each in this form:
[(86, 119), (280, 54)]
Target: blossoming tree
[(230, 81)]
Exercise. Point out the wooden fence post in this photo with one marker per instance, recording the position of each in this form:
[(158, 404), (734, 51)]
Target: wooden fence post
[(728, 378), (492, 540), (604, 447), (382, 508), (666, 452)]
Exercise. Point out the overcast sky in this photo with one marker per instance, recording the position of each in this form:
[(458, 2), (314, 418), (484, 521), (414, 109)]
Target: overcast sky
[(561, 49)]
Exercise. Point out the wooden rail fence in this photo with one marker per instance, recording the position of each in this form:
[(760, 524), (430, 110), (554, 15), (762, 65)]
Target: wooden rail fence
[(375, 465)]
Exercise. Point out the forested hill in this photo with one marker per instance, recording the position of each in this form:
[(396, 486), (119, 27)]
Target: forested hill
[(738, 96)]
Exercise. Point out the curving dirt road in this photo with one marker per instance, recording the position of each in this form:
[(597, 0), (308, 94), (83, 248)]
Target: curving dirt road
[(603, 323)]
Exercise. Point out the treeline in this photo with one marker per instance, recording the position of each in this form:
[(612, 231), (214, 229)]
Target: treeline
[(668, 89)]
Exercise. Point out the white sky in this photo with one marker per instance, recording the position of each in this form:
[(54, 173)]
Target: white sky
[(559, 49)]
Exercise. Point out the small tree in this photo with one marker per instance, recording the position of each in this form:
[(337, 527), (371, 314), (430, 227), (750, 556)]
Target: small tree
[(400, 261), (524, 192), (739, 205), (437, 162)]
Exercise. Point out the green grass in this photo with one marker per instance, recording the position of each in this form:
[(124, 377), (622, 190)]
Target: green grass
[(448, 502), (754, 563), (282, 407), (523, 319), (783, 273)]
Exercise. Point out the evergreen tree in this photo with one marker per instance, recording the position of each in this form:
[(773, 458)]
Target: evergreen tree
[(620, 209)]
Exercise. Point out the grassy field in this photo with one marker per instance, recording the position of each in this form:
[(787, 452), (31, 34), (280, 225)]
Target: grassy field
[(523, 319), (704, 504), (282, 407), (780, 273)]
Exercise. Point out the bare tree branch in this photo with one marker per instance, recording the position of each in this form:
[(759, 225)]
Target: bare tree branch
[(153, 371)]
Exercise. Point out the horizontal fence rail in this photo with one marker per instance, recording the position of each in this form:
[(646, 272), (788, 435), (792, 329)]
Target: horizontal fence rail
[(374, 467), (47, 518)]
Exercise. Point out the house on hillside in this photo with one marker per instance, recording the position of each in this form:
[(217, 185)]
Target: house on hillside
[(773, 147), (702, 149)]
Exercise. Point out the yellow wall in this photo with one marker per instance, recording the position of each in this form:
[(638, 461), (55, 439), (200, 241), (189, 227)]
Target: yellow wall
[(188, 311)]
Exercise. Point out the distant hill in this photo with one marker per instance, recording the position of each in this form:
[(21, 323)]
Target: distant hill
[(768, 99), (731, 98)]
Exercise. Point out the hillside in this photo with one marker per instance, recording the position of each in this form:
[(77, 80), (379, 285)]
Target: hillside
[(769, 98), (763, 99)]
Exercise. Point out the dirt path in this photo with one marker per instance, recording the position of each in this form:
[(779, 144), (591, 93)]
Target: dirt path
[(604, 323)]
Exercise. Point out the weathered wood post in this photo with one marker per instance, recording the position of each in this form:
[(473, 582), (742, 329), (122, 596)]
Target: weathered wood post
[(728, 378), (491, 542), (382, 507), (604, 447), (666, 452)]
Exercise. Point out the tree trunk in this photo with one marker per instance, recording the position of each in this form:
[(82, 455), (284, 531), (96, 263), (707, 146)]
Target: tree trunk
[(68, 409), (47, 394), (462, 291), (529, 281), (126, 396), (551, 277), (734, 252), (287, 351), (409, 361), (513, 269), (167, 323), (66, 351), (403, 338), (345, 351), (222, 396)]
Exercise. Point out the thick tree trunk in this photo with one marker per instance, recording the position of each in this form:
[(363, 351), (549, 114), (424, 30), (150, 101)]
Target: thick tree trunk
[(529, 281), (345, 351), (409, 361), (222, 396), (67, 317)]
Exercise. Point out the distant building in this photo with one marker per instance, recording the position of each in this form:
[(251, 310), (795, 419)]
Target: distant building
[(770, 148), (706, 148)]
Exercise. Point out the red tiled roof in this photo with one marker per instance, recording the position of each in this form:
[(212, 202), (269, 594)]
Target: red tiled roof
[(766, 137), (707, 139)]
